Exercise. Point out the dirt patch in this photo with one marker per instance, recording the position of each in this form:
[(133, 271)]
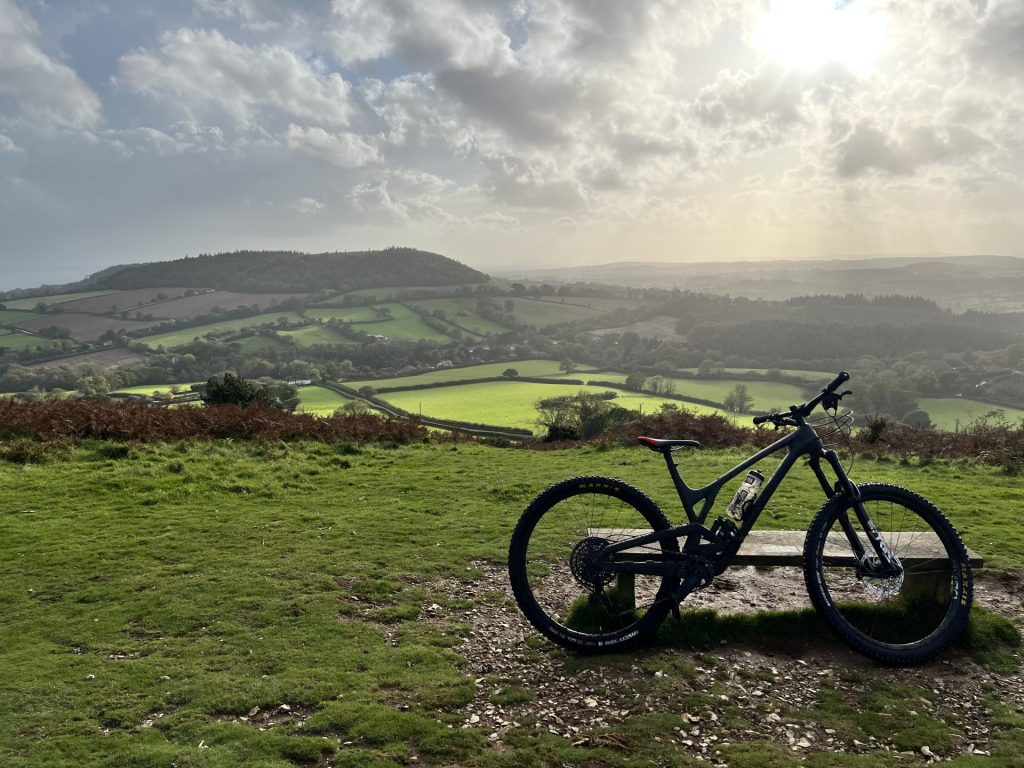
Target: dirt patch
[(728, 694), (102, 360)]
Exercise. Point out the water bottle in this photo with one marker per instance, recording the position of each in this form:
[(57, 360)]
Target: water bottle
[(746, 494)]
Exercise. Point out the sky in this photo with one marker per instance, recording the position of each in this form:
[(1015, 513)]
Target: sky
[(507, 133)]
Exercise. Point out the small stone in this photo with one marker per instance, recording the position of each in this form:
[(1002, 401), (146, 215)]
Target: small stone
[(90, 677), (926, 751)]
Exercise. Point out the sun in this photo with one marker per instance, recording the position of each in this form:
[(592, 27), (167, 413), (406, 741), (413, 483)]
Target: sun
[(808, 34)]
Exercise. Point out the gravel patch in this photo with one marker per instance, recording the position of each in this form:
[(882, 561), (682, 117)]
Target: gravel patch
[(524, 680)]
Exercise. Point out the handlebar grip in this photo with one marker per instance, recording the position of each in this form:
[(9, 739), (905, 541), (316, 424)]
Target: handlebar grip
[(838, 381), (761, 419)]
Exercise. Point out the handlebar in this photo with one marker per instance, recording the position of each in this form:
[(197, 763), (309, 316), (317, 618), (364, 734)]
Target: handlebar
[(829, 395)]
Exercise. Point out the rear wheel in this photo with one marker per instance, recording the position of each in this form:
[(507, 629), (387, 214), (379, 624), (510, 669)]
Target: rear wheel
[(555, 572), (902, 617)]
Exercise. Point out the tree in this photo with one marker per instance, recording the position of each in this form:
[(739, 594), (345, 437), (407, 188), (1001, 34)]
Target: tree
[(917, 418), (739, 399), (567, 365), (510, 373), (709, 368), (580, 417), (234, 390), (635, 381)]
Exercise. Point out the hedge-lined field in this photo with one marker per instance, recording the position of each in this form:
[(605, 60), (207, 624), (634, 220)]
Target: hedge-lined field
[(511, 403)]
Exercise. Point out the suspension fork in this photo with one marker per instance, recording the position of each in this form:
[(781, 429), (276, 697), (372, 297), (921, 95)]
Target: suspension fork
[(885, 563)]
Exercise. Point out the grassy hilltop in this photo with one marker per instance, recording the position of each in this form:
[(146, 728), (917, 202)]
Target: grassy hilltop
[(222, 603)]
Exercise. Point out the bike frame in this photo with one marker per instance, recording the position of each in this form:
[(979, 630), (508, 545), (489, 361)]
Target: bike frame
[(720, 543)]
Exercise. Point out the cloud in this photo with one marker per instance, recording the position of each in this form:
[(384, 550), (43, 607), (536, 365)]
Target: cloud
[(868, 148), (7, 145), (344, 150), (47, 93), (307, 206), (201, 71)]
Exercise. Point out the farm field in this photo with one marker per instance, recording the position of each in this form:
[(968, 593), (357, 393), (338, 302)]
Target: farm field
[(185, 335), (544, 368), (947, 412), (319, 401), (540, 313), (364, 314), (11, 318), (162, 602), (768, 395), (17, 341), (114, 357), (257, 344), (149, 389), (405, 324), (57, 298), (390, 293), (123, 300), (204, 303), (510, 403), (808, 375), (85, 327), (314, 334), (461, 312)]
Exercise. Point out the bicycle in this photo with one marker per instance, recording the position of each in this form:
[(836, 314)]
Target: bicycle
[(596, 566)]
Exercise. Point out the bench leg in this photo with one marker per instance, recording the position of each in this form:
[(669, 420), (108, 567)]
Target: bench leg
[(625, 590), (932, 586)]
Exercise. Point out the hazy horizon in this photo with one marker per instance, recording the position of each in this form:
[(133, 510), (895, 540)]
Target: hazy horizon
[(507, 135)]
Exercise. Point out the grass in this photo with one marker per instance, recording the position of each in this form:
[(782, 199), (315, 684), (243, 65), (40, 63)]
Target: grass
[(17, 341), (186, 335), (508, 403), (811, 376), (947, 412), (320, 401), (545, 368), (404, 324), (768, 395), (57, 298), (10, 318), (315, 334), (149, 389), (540, 313), (462, 312), (155, 595)]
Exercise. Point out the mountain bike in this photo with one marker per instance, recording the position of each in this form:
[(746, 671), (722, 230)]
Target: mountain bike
[(596, 566)]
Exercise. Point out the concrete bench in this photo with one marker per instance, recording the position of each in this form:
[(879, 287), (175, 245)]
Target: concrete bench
[(786, 548)]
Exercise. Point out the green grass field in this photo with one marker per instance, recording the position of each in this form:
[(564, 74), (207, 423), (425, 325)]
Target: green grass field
[(57, 298), (947, 412), (545, 368), (768, 395), (16, 341), (540, 313), (509, 403), (348, 314), (462, 312), (163, 604), (9, 318), (186, 335), (315, 334), (319, 401), (811, 376), (405, 324)]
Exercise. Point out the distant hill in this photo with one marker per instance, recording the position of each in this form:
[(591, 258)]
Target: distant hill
[(978, 282), (290, 271)]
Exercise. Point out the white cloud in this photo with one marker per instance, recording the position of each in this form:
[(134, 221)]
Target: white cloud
[(46, 92), (8, 145), (342, 149), (201, 71), (307, 206)]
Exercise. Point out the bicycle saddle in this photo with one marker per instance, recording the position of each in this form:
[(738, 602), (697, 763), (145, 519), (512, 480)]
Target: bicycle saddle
[(667, 445)]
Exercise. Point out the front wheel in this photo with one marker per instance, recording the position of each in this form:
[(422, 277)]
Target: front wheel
[(901, 616), (554, 563)]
